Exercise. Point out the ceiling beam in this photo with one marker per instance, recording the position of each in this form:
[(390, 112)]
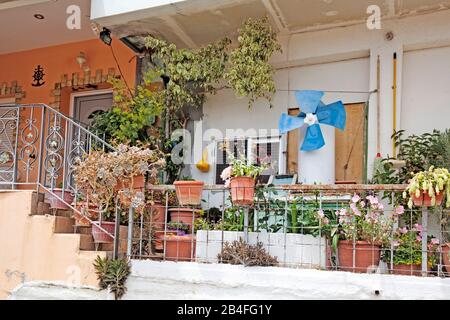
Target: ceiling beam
[(173, 24), (276, 15), (20, 3)]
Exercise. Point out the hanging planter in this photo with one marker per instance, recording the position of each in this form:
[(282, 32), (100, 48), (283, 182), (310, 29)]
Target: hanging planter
[(240, 176), (424, 200), (427, 188), (189, 192), (242, 190)]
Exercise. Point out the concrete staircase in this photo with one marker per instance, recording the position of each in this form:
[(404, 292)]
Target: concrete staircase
[(65, 227)]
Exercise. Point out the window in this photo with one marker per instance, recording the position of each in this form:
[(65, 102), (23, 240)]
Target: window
[(258, 150)]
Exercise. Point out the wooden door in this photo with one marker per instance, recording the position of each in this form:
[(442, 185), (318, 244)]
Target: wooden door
[(350, 146), (292, 146)]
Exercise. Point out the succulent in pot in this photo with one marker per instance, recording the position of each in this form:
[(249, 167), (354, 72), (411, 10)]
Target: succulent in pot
[(363, 229), (427, 188), (240, 176)]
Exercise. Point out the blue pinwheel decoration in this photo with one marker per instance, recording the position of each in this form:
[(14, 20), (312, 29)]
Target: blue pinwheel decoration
[(313, 112)]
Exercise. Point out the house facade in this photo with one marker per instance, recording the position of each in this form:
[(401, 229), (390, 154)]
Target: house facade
[(342, 48), (388, 61)]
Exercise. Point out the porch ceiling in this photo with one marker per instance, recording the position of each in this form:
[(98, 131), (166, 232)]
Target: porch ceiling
[(195, 22), (20, 30)]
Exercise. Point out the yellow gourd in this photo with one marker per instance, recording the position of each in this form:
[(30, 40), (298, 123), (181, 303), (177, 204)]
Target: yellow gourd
[(203, 164)]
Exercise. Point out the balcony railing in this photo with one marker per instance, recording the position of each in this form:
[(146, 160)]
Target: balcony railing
[(285, 220), (38, 147)]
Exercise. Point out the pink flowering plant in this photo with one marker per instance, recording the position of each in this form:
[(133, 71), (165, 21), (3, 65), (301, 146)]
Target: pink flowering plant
[(407, 247), (241, 168), (364, 220)]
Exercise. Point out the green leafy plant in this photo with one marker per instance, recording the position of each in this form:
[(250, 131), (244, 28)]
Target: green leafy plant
[(407, 247), (419, 152), (132, 115), (250, 73), (432, 182), (112, 274), (192, 73)]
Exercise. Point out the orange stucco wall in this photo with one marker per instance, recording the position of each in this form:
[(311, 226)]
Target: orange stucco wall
[(59, 60)]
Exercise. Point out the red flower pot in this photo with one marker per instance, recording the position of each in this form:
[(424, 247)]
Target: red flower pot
[(242, 190), (184, 215), (367, 256), (56, 202), (424, 200), (189, 192), (180, 248), (99, 235), (407, 269), (446, 256)]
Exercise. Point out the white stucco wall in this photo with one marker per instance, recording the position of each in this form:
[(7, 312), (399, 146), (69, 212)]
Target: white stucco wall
[(185, 281), (426, 90), (320, 60)]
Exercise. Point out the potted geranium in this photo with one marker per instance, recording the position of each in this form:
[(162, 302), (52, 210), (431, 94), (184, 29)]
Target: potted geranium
[(240, 176), (427, 188), (363, 229), (407, 251), (189, 191)]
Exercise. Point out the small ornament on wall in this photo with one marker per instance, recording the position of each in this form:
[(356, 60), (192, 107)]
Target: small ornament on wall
[(38, 76)]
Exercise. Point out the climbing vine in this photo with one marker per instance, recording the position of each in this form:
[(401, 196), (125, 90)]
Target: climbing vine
[(250, 73), (194, 73)]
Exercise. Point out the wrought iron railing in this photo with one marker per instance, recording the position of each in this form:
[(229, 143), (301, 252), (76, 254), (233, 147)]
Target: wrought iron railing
[(38, 148), (299, 242)]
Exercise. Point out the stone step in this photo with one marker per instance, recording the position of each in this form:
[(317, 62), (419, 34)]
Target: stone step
[(87, 242), (43, 208), (68, 213), (64, 225), (83, 230)]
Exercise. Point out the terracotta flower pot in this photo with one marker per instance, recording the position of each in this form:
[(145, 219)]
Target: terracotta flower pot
[(158, 238), (425, 200), (367, 256), (242, 190), (180, 248), (446, 256), (99, 235), (189, 192), (407, 269), (138, 183), (184, 215), (56, 203), (158, 219)]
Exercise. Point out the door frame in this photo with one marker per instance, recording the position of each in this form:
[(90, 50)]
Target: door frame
[(75, 95)]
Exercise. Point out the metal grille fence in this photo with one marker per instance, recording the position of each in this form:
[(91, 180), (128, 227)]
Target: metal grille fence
[(302, 226)]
